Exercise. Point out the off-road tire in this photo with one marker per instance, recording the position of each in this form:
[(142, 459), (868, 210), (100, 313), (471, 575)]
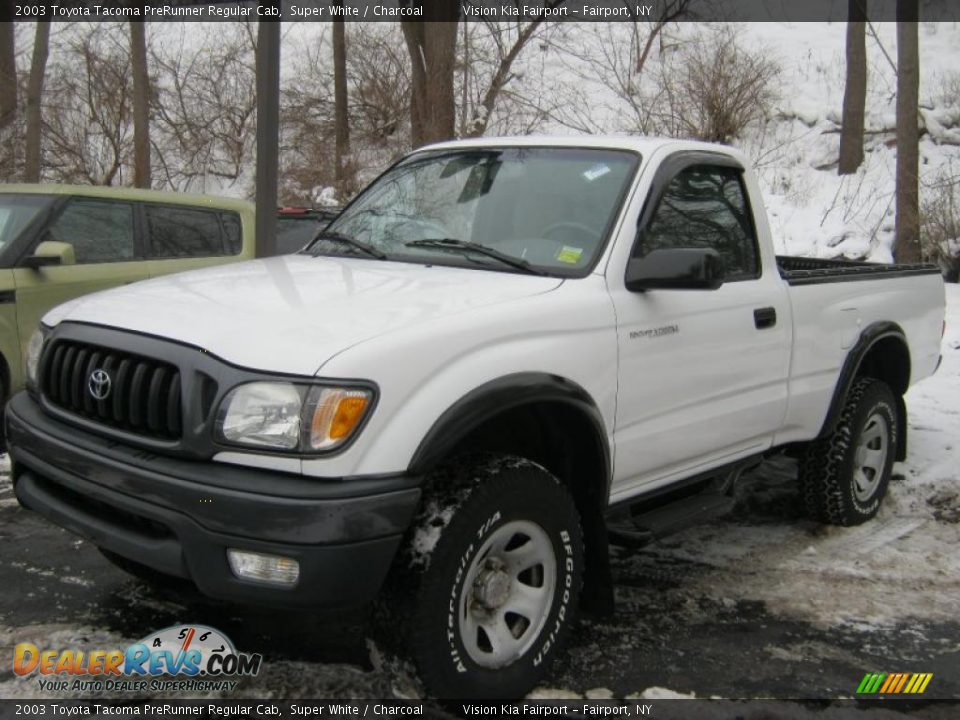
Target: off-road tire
[(827, 483), (465, 507)]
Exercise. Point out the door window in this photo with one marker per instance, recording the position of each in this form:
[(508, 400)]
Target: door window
[(176, 232), (100, 231), (706, 207), (16, 212)]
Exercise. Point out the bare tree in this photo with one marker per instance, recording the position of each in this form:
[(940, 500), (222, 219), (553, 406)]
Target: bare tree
[(431, 45), (508, 48), (669, 11), (940, 221), (204, 114), (87, 132), (141, 105), (378, 94), (8, 90), (907, 234), (34, 109), (344, 182), (715, 88), (855, 89), (8, 70)]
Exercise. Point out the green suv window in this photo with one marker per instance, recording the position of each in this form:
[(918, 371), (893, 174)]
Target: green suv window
[(16, 212), (174, 232), (100, 231)]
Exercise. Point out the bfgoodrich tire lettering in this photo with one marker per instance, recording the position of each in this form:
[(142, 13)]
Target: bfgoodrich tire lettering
[(844, 476), (500, 591)]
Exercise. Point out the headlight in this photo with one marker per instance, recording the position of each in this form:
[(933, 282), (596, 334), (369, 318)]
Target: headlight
[(288, 416), (34, 350)]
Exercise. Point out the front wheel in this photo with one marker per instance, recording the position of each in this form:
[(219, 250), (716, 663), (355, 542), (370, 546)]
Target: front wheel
[(844, 477), (498, 591)]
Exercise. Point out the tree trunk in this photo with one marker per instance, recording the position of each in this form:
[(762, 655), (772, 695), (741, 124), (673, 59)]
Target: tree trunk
[(8, 71), (38, 70), (432, 45), (465, 82), (141, 105), (341, 117), (855, 90), (907, 243)]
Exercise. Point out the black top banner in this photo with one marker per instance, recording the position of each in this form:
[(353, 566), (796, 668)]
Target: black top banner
[(486, 10)]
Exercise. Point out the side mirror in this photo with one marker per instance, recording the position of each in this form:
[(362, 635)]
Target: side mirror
[(50, 253), (676, 269)]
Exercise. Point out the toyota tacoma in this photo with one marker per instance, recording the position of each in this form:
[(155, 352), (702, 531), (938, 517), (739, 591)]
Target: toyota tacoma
[(446, 402)]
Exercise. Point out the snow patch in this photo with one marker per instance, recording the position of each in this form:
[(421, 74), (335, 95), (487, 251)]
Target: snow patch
[(436, 518)]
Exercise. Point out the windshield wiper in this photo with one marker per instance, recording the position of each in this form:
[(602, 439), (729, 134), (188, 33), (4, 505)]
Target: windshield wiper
[(353, 242), (464, 246)]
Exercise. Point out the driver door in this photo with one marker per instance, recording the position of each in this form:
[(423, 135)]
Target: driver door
[(702, 373)]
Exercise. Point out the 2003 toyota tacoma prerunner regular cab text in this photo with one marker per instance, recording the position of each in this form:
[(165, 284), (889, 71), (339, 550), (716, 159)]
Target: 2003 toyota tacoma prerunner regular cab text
[(497, 347)]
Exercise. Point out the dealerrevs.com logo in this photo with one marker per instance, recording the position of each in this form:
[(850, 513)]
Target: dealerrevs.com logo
[(178, 658)]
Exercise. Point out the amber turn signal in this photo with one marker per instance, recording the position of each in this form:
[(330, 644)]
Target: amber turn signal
[(337, 413)]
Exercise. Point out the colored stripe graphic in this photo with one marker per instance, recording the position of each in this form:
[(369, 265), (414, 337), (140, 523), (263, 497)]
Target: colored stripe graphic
[(894, 683), (891, 681)]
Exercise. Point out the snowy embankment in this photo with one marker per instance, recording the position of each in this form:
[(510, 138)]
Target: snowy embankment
[(813, 210)]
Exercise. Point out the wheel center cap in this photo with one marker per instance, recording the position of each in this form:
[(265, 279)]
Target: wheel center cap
[(492, 588)]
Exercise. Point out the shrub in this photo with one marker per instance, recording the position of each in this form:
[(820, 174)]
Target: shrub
[(714, 87), (940, 223)]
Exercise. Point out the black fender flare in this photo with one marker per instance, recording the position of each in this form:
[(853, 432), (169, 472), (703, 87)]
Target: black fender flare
[(513, 391), (496, 396), (869, 337)]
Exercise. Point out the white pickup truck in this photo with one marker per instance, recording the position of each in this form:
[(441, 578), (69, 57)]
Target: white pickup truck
[(496, 347)]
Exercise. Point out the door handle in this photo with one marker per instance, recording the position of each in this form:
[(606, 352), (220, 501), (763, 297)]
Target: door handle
[(765, 317)]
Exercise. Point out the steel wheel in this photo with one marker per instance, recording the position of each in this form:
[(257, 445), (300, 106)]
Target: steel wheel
[(508, 593), (871, 457)]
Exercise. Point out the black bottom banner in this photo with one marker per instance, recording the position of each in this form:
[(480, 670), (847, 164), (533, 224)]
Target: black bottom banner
[(661, 709)]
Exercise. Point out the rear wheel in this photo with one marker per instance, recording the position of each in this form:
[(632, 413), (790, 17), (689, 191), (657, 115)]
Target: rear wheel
[(844, 477), (493, 582)]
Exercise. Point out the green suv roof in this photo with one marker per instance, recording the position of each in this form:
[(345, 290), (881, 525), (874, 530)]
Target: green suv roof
[(128, 193)]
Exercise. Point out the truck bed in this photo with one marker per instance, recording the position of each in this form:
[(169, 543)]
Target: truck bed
[(808, 271)]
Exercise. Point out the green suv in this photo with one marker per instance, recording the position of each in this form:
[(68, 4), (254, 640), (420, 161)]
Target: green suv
[(58, 242)]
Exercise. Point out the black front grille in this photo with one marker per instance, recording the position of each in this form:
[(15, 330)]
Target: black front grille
[(143, 395)]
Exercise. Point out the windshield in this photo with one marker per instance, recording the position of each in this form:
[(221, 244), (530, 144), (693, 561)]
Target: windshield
[(16, 212), (549, 207)]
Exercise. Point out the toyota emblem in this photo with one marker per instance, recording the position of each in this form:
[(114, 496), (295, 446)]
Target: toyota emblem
[(99, 384)]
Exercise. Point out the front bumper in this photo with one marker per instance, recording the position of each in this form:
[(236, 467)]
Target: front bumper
[(180, 516)]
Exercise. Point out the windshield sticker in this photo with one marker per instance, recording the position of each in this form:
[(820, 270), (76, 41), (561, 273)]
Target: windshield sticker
[(569, 255), (597, 171)]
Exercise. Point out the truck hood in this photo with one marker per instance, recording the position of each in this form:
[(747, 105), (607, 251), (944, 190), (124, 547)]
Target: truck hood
[(291, 314)]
